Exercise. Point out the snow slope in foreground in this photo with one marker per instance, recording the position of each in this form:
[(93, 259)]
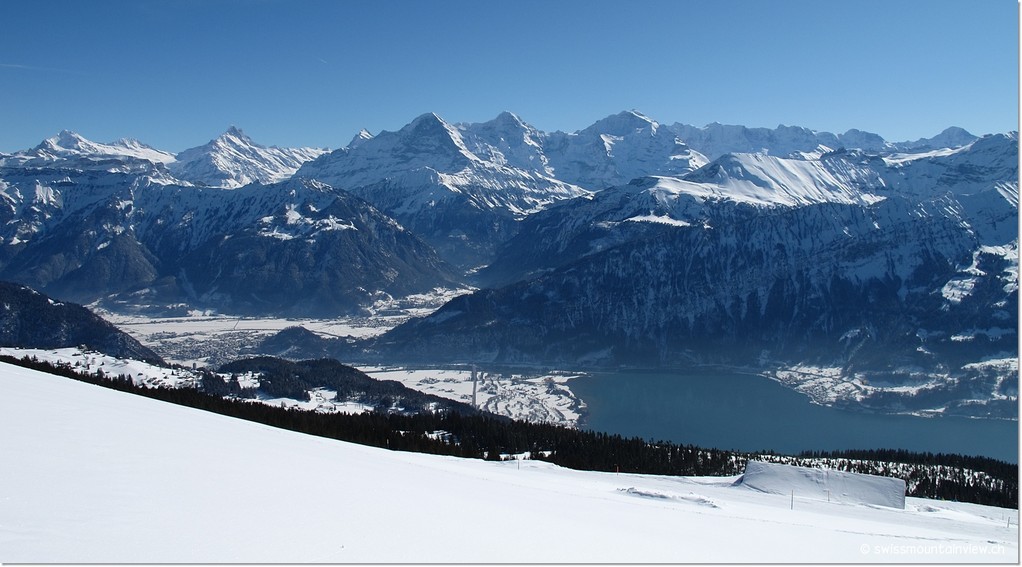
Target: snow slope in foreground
[(93, 475)]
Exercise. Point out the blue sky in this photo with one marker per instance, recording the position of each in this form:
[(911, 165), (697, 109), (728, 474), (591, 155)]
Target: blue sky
[(175, 74)]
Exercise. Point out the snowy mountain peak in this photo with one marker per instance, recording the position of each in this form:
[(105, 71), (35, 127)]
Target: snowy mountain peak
[(953, 137), (232, 160), (507, 141), (510, 120), (855, 138), (427, 120), (956, 132), (69, 145), (430, 132), (430, 124), (362, 136), (624, 123), (507, 127), (67, 140), (234, 136)]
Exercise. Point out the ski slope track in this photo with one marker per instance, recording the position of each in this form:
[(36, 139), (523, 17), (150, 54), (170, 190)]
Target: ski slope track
[(94, 475)]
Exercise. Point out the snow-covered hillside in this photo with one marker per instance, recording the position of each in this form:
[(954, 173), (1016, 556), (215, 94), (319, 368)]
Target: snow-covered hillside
[(86, 361), (93, 475)]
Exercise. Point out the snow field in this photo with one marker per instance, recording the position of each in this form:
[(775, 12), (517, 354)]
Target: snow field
[(94, 475), (541, 399), (835, 486), (827, 385), (141, 373)]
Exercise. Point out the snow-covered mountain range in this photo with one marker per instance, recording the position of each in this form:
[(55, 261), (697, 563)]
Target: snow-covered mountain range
[(229, 161), (463, 201), (70, 146), (628, 240), (899, 269)]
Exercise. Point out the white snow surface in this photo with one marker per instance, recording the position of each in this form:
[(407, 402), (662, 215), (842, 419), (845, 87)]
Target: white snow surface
[(832, 485), (84, 361), (95, 475), (766, 180)]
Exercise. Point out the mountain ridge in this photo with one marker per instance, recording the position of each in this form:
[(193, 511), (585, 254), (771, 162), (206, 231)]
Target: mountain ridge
[(870, 261), (31, 319)]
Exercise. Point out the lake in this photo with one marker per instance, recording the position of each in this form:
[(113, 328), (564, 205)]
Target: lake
[(751, 413)]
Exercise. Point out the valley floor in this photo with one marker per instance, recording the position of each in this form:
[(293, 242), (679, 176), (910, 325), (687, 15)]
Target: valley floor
[(211, 340), (94, 475), (538, 398)]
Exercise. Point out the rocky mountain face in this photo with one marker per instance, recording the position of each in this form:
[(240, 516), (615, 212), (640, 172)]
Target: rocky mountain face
[(894, 268), (295, 247), (30, 319), (464, 202), (233, 160), (617, 149)]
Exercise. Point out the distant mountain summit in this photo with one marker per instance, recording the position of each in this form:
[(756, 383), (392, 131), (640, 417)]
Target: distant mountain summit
[(68, 144), (233, 160), (617, 149), (445, 183), (952, 137), (71, 150)]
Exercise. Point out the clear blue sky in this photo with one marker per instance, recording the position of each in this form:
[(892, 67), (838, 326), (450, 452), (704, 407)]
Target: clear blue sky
[(175, 74)]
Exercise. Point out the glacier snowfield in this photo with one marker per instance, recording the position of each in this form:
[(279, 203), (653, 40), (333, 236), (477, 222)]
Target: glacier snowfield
[(94, 475)]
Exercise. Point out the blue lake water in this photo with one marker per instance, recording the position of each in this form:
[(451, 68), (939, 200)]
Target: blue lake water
[(751, 413)]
